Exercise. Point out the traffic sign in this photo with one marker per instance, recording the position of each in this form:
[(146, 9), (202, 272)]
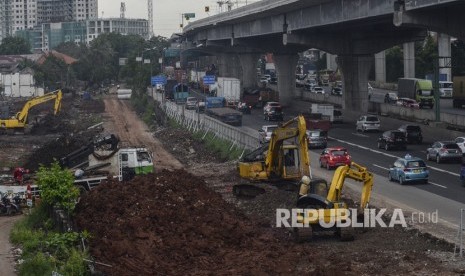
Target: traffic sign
[(209, 79), (158, 80)]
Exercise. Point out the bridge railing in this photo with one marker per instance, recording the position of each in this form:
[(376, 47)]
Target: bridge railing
[(194, 122)]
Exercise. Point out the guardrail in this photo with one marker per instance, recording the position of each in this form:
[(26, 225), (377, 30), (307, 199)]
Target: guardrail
[(195, 122)]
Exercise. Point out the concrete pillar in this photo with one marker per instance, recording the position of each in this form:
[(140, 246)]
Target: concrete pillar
[(444, 50), (409, 60), (355, 71), (285, 71), (228, 65), (331, 62), (249, 69), (380, 67)]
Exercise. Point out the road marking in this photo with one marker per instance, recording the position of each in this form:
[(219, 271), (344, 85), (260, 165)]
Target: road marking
[(378, 166), (359, 134), (435, 184), (389, 155)]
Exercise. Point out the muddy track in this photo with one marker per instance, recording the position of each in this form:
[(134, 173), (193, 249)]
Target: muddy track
[(6, 258), (122, 121)]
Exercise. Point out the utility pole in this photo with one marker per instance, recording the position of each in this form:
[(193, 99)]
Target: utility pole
[(440, 62)]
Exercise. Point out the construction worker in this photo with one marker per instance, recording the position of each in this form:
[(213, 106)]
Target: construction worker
[(304, 186), (19, 174)]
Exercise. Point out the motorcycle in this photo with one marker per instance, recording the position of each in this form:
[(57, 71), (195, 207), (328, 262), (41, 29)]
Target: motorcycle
[(10, 207), (244, 108)]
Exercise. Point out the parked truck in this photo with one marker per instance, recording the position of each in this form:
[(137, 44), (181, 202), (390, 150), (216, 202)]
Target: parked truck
[(215, 107), (96, 162), (418, 89), (458, 94)]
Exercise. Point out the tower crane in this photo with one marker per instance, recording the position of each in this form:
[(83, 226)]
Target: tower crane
[(150, 8), (122, 9)]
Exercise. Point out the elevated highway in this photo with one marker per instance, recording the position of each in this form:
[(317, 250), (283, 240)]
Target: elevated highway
[(352, 29)]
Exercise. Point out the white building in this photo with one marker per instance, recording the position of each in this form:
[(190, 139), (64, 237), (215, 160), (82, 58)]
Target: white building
[(21, 84), (122, 26)]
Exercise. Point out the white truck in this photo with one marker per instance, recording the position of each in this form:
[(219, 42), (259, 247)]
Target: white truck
[(230, 89), (102, 159), (326, 110)]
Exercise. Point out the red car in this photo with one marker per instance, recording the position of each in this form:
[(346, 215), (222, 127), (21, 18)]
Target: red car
[(334, 157), (406, 102)]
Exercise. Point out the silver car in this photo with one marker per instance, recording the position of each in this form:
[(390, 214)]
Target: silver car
[(264, 134), (367, 122), (444, 150)]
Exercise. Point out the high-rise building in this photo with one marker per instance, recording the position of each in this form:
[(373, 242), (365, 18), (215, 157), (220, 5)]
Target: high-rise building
[(5, 18), (18, 15)]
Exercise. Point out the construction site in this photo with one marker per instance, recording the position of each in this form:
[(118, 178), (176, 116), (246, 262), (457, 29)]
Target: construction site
[(183, 218)]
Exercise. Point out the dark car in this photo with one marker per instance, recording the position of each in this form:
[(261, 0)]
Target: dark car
[(274, 113), (317, 138), (274, 80), (412, 133), (336, 91), (392, 139)]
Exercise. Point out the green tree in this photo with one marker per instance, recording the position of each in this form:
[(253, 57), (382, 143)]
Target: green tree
[(458, 58), (426, 54), (53, 73), (71, 49), (57, 187), (14, 46), (394, 64)]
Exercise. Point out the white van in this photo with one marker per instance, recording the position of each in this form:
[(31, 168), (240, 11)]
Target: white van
[(445, 89)]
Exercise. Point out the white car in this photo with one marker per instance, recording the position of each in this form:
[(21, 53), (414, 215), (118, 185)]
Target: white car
[(318, 90), (264, 134), (460, 141), (367, 122), (268, 105)]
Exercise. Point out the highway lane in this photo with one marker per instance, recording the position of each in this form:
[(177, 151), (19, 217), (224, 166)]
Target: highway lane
[(443, 193), (444, 177)]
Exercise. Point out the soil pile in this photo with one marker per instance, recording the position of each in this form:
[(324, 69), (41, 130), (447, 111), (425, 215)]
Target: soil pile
[(163, 224)]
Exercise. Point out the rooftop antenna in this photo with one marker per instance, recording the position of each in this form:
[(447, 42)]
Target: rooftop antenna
[(122, 9)]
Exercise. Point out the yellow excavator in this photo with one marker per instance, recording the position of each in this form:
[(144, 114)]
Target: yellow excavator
[(284, 160), (19, 121), (323, 206)]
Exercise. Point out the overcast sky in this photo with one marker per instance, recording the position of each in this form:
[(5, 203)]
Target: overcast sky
[(166, 13)]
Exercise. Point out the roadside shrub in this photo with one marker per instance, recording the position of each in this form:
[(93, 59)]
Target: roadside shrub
[(57, 187), (38, 265)]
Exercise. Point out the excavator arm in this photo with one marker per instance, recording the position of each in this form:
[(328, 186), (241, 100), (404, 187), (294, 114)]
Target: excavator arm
[(20, 119), (355, 172), (282, 133), (55, 95)]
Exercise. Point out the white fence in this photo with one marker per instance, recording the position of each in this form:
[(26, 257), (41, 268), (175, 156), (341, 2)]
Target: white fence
[(194, 122)]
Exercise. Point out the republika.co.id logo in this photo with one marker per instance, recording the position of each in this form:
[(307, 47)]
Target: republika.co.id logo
[(328, 218)]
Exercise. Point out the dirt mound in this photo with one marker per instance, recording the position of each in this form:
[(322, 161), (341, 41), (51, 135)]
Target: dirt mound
[(163, 224)]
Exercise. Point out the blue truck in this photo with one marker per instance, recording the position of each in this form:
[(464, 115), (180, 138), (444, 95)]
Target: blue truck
[(215, 107), (180, 93)]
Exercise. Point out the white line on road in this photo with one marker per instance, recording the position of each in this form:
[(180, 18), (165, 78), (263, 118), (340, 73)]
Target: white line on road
[(359, 134), (390, 155), (435, 184), (381, 167)]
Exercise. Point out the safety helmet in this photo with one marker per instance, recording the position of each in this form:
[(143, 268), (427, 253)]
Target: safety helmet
[(305, 180)]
